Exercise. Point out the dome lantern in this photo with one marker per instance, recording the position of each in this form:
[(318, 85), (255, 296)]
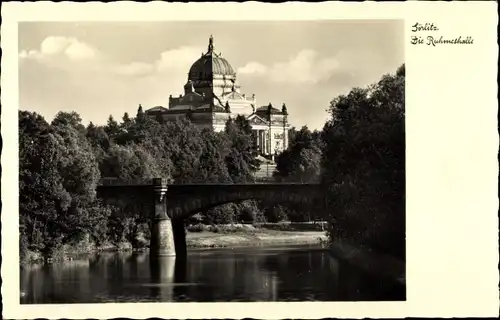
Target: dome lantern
[(210, 44)]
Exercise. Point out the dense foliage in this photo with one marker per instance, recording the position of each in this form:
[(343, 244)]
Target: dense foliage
[(364, 165), (301, 162), (359, 157), (62, 162)]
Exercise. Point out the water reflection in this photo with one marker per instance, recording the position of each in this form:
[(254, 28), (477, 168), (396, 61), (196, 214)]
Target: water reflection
[(259, 274), (162, 277)]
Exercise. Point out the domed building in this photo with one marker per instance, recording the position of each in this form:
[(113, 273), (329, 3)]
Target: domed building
[(212, 95)]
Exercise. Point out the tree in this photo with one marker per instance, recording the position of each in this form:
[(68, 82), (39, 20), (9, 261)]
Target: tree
[(39, 183), (127, 122), (58, 176), (212, 166), (364, 165), (292, 132), (242, 160), (71, 119), (182, 142), (112, 128), (138, 130), (301, 161), (129, 163), (98, 139), (78, 169)]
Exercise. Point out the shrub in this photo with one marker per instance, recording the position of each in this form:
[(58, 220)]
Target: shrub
[(249, 212), (197, 228), (222, 214), (276, 214)]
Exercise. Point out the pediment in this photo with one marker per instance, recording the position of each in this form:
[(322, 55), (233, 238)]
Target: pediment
[(233, 96), (255, 119)]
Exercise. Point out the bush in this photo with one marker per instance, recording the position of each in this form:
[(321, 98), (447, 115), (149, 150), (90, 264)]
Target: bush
[(197, 228), (223, 214), (298, 215), (196, 219), (249, 212), (276, 214)]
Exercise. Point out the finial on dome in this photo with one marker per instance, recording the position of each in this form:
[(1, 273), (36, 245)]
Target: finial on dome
[(211, 44)]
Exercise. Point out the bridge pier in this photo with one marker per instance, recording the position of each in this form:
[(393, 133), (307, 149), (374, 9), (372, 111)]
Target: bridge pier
[(179, 230), (162, 238), (162, 234)]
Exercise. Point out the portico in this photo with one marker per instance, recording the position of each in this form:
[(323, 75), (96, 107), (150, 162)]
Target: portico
[(270, 128)]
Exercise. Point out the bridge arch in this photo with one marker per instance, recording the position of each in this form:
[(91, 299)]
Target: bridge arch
[(184, 201)]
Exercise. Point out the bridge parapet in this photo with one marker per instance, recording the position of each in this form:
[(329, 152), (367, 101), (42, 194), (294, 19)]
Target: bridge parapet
[(186, 200)]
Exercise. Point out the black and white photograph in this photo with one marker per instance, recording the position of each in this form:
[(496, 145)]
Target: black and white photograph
[(249, 160), (202, 161)]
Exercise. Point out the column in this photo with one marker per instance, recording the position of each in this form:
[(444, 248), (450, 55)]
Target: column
[(262, 150), (260, 142), (264, 142), (162, 236), (269, 142), (257, 137)]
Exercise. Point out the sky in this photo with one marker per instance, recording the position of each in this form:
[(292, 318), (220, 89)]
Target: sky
[(103, 68)]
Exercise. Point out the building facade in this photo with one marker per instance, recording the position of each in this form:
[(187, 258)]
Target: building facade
[(212, 96)]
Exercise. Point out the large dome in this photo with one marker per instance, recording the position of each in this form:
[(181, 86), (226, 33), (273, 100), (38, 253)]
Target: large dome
[(210, 64)]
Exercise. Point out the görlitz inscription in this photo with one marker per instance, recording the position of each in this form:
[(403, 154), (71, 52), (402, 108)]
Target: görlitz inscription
[(434, 39)]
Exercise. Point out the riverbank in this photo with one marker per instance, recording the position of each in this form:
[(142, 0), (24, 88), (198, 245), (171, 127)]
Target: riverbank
[(201, 236), (259, 237)]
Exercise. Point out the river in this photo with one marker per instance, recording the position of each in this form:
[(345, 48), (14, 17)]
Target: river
[(285, 273)]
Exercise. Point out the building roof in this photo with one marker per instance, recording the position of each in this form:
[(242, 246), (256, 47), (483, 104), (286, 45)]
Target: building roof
[(217, 108), (163, 110), (210, 64), (157, 109), (264, 110)]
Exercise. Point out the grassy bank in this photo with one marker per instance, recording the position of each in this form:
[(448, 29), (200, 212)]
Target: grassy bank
[(256, 237), (200, 236), (259, 234)]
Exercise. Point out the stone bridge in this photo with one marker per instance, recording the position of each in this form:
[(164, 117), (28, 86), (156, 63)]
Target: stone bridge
[(172, 204)]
